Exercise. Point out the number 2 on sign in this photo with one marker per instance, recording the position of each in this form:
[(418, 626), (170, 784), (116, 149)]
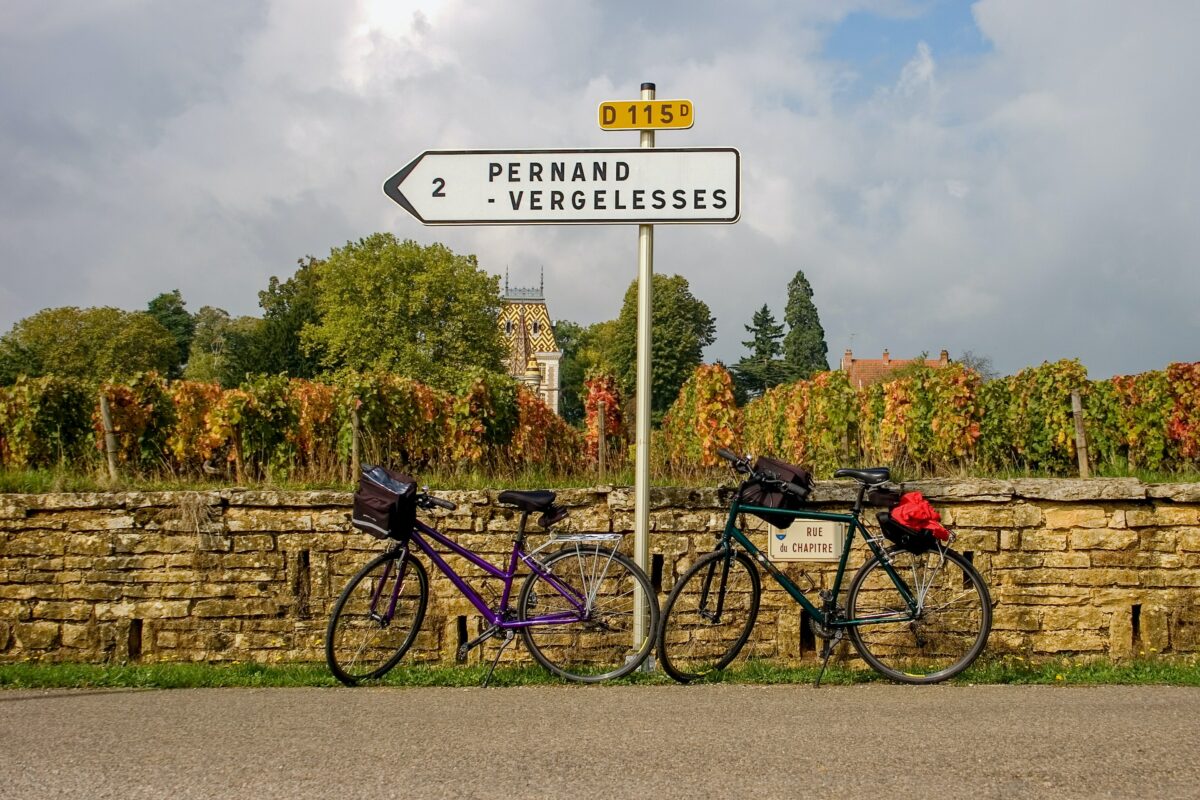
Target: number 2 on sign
[(439, 187)]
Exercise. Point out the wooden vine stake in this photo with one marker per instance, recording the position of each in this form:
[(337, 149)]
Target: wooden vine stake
[(355, 465), (1081, 449), (110, 437), (602, 440)]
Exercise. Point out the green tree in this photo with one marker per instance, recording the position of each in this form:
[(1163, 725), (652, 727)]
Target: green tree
[(980, 363), (681, 327), (168, 309), (587, 352), (275, 348), (92, 344), (763, 368), (422, 312), (221, 347), (571, 371), (804, 348)]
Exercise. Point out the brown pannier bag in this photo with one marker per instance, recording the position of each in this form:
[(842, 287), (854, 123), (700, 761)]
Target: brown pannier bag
[(385, 504), (758, 493)]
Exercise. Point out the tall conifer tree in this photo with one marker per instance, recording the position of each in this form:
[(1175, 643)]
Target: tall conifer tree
[(804, 348)]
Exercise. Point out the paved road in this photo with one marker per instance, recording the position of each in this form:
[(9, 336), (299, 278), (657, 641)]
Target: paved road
[(698, 742)]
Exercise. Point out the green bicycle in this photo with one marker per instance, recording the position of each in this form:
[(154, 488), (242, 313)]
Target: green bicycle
[(916, 611)]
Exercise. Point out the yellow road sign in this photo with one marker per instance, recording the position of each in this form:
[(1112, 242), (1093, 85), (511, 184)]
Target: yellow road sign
[(641, 115)]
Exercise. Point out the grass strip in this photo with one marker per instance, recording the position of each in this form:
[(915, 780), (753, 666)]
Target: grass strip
[(1177, 671)]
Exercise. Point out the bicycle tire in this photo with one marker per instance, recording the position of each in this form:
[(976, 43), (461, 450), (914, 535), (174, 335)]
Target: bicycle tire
[(351, 651), (599, 645), (691, 645), (952, 627)]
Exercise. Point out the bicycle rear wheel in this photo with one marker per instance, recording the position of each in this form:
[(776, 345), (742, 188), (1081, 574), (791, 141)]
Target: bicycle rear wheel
[(591, 639), (709, 615), (949, 630), (367, 633)]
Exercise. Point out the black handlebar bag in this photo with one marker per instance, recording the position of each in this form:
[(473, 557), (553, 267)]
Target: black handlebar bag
[(756, 492), (385, 504)]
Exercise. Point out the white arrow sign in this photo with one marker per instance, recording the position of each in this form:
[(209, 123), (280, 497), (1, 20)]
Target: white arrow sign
[(600, 186)]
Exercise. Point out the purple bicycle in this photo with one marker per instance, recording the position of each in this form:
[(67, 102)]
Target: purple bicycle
[(575, 609)]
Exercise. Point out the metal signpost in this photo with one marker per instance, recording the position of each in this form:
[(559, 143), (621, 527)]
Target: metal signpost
[(597, 186)]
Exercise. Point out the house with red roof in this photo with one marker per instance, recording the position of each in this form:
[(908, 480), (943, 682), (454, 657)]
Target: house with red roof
[(866, 371)]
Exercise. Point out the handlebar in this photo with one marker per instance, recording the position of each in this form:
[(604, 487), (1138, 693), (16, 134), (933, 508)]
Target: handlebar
[(742, 465), (428, 501)]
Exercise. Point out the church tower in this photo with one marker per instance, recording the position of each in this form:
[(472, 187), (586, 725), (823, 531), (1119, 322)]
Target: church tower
[(533, 354)]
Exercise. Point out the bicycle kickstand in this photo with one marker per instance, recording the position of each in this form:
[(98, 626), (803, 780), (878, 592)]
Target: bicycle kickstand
[(509, 636), (827, 649)]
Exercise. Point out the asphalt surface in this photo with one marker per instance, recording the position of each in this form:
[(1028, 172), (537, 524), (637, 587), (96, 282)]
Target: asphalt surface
[(603, 742)]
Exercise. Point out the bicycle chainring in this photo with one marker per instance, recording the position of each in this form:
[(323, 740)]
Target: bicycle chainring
[(834, 632)]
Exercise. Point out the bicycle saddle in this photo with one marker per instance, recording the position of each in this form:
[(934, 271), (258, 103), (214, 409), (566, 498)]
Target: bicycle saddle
[(871, 476), (528, 501)]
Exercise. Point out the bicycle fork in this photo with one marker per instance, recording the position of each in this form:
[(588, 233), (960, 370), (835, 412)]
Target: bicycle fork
[(715, 615)]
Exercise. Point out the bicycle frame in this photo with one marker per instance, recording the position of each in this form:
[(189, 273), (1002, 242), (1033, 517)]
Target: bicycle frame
[(500, 616), (853, 524)]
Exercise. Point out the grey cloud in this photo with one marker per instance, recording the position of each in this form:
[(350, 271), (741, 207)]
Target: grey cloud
[(1035, 202)]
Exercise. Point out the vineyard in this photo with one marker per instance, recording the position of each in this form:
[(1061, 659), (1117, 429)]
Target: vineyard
[(929, 421), (925, 421)]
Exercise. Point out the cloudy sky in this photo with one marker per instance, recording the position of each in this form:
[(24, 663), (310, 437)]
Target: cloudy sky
[(1017, 178)]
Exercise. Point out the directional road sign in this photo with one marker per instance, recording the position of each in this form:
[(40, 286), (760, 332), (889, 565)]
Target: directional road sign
[(596, 186)]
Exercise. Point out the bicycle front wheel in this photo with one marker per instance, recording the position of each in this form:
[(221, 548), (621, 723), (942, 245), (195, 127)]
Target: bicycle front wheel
[(709, 615), (376, 618), (586, 602), (949, 629)]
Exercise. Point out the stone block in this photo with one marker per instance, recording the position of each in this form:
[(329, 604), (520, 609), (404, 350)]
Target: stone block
[(1103, 539), (237, 608), (89, 544), (1016, 618), (1010, 540), (1039, 540), (1136, 559), (1076, 490), (1027, 515), (1154, 629), (1009, 560), (239, 520), (1120, 635), (679, 521), (152, 542), (335, 519), (976, 517), (1163, 540), (1162, 516), (1177, 492), (252, 543), (82, 637), (977, 540), (1070, 641), (1078, 618), (1076, 517), (1104, 576), (36, 635), (1117, 518), (38, 543), (61, 610), (1068, 560)]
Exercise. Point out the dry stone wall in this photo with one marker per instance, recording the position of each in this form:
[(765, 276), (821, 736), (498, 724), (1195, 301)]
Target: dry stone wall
[(1099, 567)]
